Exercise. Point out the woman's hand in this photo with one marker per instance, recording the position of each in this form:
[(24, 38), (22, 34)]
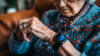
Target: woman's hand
[(34, 26), (42, 31)]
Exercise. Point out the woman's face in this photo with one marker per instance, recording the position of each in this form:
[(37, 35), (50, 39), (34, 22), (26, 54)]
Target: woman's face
[(68, 7)]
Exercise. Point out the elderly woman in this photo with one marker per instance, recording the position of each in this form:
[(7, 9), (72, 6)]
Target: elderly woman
[(71, 30)]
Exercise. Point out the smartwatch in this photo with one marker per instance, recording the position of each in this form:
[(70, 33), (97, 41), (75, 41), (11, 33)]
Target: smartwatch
[(59, 39)]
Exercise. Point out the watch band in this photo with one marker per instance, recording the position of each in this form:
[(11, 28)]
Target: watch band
[(59, 40)]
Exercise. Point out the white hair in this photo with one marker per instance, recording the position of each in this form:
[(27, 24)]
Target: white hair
[(92, 1)]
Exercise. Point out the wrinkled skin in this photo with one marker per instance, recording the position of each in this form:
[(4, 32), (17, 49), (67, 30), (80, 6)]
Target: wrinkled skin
[(33, 26)]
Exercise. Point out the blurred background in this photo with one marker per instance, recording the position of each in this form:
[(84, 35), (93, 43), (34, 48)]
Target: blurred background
[(11, 11), (8, 6)]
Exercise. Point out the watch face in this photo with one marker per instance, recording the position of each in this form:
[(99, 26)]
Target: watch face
[(61, 38)]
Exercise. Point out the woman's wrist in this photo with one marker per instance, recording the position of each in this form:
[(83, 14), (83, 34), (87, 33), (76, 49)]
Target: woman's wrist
[(70, 49)]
